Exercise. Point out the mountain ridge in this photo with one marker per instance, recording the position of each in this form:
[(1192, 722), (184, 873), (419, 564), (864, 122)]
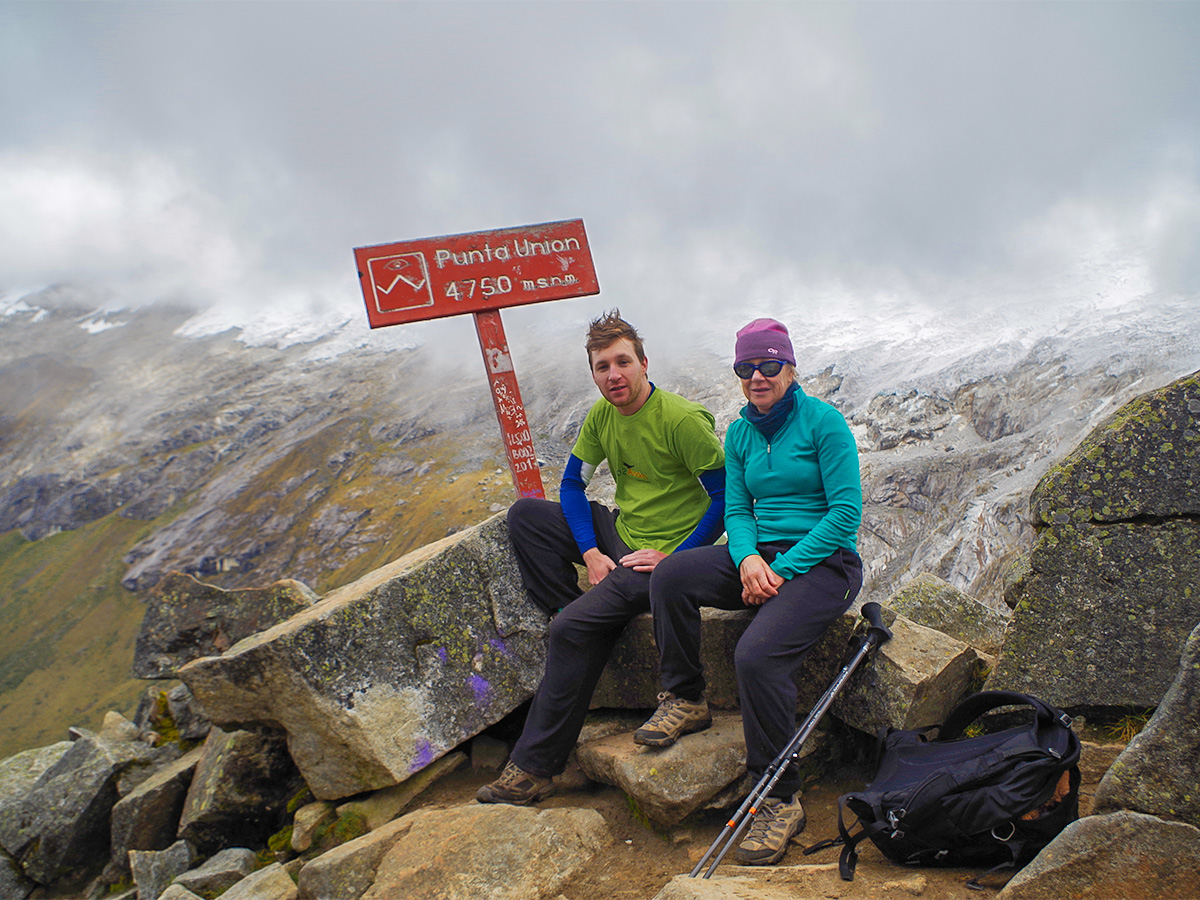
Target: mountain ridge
[(242, 461)]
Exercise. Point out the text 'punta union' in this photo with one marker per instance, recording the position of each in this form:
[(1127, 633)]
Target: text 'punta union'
[(523, 247)]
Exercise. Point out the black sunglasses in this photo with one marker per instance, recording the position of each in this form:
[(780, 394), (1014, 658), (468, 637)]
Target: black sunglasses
[(770, 369)]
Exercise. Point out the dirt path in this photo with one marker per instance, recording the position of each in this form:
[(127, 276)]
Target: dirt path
[(644, 857)]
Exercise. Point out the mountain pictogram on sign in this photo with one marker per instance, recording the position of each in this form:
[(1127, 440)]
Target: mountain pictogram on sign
[(400, 282)]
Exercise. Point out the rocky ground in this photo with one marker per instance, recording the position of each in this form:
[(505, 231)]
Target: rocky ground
[(643, 857)]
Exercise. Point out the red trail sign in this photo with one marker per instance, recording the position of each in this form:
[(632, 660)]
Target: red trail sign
[(481, 273)]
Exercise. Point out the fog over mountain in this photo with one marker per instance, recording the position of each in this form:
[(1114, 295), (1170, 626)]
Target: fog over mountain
[(140, 410), (815, 158), (978, 220)]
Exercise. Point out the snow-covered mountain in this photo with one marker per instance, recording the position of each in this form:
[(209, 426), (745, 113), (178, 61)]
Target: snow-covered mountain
[(247, 447), (142, 411)]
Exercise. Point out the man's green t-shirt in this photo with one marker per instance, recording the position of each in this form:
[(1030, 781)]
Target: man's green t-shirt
[(655, 456)]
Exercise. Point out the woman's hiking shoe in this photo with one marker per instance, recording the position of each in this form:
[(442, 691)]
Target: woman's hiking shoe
[(515, 786), (775, 825), (673, 718)]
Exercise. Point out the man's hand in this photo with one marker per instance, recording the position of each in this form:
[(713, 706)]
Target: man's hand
[(759, 581), (642, 560), (598, 565)]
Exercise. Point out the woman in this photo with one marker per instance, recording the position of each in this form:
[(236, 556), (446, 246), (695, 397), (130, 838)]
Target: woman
[(793, 506)]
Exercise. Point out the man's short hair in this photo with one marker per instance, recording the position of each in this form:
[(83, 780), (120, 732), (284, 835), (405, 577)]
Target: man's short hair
[(607, 330)]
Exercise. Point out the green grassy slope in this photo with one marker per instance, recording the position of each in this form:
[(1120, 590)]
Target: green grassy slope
[(69, 631), (70, 627)]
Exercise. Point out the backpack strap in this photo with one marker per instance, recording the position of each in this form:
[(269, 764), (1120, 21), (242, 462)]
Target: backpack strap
[(977, 704), (1014, 849), (849, 857)]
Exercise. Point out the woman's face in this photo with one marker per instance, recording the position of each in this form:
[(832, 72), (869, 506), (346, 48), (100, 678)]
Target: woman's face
[(765, 392)]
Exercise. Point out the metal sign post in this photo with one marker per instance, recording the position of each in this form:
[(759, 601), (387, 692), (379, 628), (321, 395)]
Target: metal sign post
[(518, 444), (481, 273)]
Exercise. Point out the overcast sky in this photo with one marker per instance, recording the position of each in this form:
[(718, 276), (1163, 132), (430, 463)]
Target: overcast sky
[(753, 156)]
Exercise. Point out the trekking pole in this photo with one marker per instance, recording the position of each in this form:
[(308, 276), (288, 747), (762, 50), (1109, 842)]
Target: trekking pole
[(877, 633)]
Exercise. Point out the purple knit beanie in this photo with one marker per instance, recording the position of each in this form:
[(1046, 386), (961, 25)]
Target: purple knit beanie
[(764, 339)]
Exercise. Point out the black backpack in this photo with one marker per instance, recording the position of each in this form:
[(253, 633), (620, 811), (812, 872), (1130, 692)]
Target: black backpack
[(993, 800)]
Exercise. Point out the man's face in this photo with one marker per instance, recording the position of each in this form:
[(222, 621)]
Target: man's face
[(621, 376)]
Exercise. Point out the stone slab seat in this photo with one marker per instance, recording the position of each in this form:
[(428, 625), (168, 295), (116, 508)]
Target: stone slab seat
[(631, 678)]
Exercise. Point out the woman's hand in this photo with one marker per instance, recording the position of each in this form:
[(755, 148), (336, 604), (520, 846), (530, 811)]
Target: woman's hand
[(643, 560), (759, 581), (598, 565)]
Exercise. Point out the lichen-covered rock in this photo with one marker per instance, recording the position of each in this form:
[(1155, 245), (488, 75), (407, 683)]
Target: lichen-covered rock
[(20, 772), (347, 871), (186, 619), (148, 817), (1109, 597), (1143, 462), (218, 873), (934, 603), (60, 827), (239, 791), (154, 870), (1159, 772), (1102, 616), (13, 883), (391, 672)]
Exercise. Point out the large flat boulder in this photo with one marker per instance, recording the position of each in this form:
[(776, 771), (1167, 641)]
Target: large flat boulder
[(1108, 598), (915, 679), (387, 674)]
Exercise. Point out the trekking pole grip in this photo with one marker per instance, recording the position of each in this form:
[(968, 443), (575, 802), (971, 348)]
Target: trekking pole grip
[(877, 632)]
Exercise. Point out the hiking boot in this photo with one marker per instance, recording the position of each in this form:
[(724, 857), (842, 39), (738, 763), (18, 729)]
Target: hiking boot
[(673, 718), (777, 822), (515, 786)]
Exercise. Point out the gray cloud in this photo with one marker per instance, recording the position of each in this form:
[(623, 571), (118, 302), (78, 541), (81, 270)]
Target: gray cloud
[(756, 156)]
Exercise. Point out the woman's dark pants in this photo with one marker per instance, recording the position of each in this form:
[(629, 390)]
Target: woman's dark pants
[(769, 653)]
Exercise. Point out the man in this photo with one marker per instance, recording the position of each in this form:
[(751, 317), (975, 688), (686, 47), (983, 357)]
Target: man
[(669, 470)]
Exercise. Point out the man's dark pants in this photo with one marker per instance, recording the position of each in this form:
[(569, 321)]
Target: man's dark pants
[(769, 653), (582, 635)]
